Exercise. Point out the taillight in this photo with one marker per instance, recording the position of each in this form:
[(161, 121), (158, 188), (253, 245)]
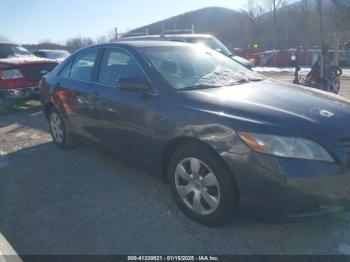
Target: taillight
[(11, 74)]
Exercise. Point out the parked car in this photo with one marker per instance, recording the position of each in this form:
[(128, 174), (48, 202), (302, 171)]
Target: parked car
[(200, 39), (20, 72), (57, 55), (223, 137)]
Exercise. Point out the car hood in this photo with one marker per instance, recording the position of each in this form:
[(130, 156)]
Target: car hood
[(18, 61), (274, 107)]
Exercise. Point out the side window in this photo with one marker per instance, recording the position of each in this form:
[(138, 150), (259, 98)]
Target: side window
[(83, 65), (66, 70), (40, 54), (117, 64)]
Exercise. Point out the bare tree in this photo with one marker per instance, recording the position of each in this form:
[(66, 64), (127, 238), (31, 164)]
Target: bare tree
[(102, 39), (3, 38), (272, 7), (341, 14), (253, 12), (79, 42), (319, 5)]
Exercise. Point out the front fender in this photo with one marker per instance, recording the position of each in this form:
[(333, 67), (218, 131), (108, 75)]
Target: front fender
[(220, 137)]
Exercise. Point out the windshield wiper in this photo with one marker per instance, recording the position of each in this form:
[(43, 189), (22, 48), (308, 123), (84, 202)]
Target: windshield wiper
[(247, 80), (196, 87), (256, 79)]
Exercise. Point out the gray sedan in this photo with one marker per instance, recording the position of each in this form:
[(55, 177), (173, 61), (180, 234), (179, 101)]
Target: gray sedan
[(223, 137)]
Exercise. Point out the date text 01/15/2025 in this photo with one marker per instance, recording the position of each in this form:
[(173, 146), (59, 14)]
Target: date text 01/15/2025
[(173, 258)]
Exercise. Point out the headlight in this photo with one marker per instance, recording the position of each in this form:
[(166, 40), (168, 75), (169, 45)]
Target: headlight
[(10, 74), (286, 146)]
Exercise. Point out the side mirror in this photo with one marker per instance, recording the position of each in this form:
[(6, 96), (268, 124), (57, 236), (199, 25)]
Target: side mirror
[(133, 84)]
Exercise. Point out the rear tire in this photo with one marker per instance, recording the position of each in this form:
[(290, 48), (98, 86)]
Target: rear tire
[(61, 137), (202, 186)]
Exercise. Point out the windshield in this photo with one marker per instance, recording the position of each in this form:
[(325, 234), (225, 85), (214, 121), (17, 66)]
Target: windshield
[(57, 54), (211, 42), (8, 51), (187, 67)]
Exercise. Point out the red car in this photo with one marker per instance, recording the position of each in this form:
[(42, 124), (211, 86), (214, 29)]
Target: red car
[(20, 72)]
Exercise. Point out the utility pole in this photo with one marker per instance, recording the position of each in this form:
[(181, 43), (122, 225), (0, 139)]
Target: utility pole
[(336, 48), (323, 49), (116, 33), (162, 30), (275, 33)]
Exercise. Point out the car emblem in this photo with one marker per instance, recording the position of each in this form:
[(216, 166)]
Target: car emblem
[(326, 113), (43, 72)]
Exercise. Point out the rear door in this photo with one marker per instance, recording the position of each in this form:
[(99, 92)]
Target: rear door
[(76, 91), (127, 118)]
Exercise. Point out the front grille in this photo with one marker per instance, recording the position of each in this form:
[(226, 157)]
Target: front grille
[(37, 71)]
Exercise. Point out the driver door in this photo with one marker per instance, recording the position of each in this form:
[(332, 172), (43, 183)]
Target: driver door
[(126, 118)]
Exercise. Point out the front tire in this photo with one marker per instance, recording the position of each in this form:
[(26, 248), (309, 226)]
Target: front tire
[(61, 137), (202, 186)]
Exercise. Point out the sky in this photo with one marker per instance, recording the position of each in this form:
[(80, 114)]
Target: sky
[(33, 21)]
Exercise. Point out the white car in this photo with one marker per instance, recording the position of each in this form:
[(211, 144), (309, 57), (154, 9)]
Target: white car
[(57, 55)]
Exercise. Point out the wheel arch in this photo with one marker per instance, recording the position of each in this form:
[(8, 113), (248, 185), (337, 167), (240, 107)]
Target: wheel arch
[(47, 108)]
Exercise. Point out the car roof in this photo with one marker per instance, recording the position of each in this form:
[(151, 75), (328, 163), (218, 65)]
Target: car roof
[(49, 50), (168, 36), (135, 44), (147, 43), (190, 36)]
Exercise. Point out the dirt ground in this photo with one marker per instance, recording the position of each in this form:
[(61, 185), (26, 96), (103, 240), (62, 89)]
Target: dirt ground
[(84, 201)]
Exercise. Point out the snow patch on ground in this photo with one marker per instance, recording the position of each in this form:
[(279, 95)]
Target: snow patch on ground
[(35, 136), (346, 71), (2, 257), (278, 69), (20, 134)]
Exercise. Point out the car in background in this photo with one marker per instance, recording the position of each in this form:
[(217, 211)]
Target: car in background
[(223, 137), (21, 72), (201, 39), (57, 55)]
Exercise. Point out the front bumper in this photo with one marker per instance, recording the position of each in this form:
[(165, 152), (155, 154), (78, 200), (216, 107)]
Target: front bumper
[(20, 93), (273, 186)]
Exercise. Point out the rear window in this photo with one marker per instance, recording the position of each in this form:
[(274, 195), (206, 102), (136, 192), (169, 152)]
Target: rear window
[(56, 54), (40, 54), (8, 51)]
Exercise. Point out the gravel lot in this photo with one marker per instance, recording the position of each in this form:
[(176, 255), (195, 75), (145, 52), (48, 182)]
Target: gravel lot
[(84, 201)]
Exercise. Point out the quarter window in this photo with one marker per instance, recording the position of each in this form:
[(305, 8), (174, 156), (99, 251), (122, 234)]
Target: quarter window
[(66, 70), (117, 64), (83, 65)]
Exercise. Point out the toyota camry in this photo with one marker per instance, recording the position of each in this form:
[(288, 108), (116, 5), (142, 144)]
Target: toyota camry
[(224, 138)]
